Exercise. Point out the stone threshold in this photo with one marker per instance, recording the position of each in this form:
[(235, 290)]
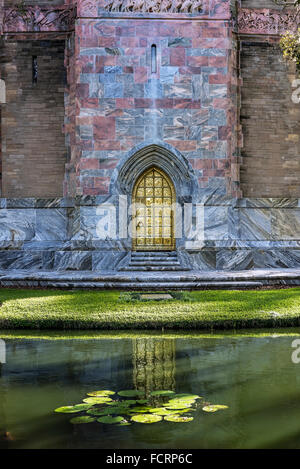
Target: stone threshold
[(192, 280)]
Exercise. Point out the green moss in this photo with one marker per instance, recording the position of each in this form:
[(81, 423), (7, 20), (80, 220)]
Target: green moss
[(104, 310)]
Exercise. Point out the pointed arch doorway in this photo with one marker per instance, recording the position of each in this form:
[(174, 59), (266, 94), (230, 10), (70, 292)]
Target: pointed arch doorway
[(153, 212)]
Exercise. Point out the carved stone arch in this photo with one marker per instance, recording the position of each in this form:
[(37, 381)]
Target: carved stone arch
[(160, 155)]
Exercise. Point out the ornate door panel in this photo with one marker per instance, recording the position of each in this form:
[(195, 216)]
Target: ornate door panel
[(153, 214)]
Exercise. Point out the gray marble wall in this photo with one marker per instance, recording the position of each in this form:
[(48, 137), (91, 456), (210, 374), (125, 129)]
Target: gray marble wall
[(61, 234)]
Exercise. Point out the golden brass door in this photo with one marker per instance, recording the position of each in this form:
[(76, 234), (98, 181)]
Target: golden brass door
[(153, 214)]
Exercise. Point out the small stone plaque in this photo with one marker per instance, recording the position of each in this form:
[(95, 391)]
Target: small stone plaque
[(156, 296)]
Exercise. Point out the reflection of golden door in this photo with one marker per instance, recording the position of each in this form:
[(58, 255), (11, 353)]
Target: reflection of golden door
[(153, 215)]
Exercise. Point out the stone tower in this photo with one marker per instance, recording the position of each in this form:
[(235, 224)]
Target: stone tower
[(147, 126)]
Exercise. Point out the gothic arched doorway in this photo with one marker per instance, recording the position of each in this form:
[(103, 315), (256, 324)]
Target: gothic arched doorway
[(153, 212)]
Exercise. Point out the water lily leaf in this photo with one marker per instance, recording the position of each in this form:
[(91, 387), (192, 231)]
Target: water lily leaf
[(109, 419), (101, 393), (128, 402), (163, 411), (178, 418), (154, 410), (117, 411), (142, 410), (82, 407), (124, 424), (72, 409), (97, 412), (146, 418), (97, 400), (162, 393), (187, 396), (181, 411), (182, 401), (178, 406), (141, 401), (131, 393), (83, 419), (214, 408)]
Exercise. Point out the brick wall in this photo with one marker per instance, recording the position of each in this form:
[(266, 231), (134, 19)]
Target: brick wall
[(33, 144), (271, 124)]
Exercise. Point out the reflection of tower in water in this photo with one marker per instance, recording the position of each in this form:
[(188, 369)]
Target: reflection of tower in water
[(154, 364), (5, 436)]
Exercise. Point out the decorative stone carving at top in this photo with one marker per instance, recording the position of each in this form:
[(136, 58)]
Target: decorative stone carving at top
[(154, 6), (35, 18), (267, 21)]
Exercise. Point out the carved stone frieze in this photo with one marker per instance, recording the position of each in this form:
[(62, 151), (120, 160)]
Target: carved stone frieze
[(154, 6), (23, 18), (267, 21)]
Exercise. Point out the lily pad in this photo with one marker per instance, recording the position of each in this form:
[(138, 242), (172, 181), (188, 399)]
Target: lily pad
[(181, 401), (163, 411), (142, 410), (141, 401), (97, 400), (154, 410), (178, 418), (124, 424), (97, 412), (128, 402), (83, 419), (214, 408), (187, 396), (72, 409), (131, 393), (178, 406), (162, 393), (116, 411), (146, 418), (108, 419), (101, 393)]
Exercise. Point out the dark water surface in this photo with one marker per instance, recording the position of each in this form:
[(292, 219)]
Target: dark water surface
[(251, 373)]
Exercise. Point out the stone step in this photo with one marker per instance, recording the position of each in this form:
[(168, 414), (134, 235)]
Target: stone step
[(154, 263), (154, 254), (140, 286), (153, 268), (154, 259)]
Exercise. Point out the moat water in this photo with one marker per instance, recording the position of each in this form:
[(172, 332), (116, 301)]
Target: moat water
[(251, 373)]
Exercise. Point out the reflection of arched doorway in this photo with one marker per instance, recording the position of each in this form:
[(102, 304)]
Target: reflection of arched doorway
[(153, 213), (154, 364)]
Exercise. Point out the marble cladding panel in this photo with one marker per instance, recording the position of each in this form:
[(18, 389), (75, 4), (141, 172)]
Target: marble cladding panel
[(79, 260), (242, 234), (246, 259), (16, 260), (216, 223), (51, 224), (17, 224), (231, 259), (204, 260), (88, 223), (109, 260), (256, 224), (286, 223)]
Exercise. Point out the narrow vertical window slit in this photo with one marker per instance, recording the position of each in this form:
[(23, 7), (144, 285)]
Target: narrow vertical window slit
[(153, 59), (34, 69)]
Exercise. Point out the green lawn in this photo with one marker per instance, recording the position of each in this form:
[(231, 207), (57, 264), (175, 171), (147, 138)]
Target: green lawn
[(56, 309)]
